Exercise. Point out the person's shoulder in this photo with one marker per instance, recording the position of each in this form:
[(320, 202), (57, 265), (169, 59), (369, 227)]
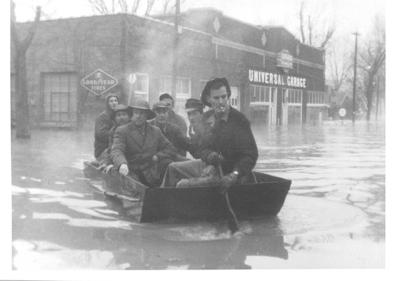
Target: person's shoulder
[(103, 116), (179, 117), (153, 128), (239, 117), (123, 129)]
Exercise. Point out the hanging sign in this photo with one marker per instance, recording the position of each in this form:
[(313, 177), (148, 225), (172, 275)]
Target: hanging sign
[(276, 79), (99, 82)]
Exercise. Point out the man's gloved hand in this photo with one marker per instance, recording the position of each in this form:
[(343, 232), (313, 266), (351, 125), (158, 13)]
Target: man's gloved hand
[(227, 181), (123, 169), (214, 158)]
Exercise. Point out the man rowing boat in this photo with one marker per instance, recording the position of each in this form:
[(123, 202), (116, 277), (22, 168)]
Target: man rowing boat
[(231, 144)]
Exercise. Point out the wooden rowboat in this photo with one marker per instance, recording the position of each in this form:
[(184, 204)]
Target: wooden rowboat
[(266, 197)]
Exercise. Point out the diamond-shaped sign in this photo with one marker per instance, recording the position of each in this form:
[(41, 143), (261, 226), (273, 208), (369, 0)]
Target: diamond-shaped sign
[(216, 25), (98, 82), (264, 39)]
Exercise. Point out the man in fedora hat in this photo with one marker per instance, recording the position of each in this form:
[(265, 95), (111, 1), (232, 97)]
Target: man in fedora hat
[(140, 149), (170, 130)]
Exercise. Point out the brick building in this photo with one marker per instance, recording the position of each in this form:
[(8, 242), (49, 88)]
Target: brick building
[(275, 79)]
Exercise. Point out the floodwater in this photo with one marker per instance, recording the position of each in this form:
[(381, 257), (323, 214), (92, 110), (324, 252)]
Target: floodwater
[(333, 217)]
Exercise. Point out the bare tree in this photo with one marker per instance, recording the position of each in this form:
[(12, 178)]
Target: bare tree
[(21, 46), (150, 4), (135, 6), (311, 31), (373, 57), (104, 7), (339, 66)]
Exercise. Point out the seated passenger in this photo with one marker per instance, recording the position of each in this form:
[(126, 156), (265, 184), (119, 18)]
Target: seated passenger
[(140, 149), (121, 116), (200, 126), (103, 125), (170, 131), (193, 173), (173, 117)]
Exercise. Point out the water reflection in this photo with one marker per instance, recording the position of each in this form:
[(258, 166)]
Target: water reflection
[(53, 232)]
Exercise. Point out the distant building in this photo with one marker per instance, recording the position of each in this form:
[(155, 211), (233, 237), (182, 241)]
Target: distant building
[(275, 79)]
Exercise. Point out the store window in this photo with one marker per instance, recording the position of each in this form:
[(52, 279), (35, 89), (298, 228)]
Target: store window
[(261, 94), (60, 97), (295, 96), (315, 97)]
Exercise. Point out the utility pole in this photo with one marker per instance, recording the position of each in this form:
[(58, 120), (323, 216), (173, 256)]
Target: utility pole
[(356, 34), (377, 96), (175, 50)]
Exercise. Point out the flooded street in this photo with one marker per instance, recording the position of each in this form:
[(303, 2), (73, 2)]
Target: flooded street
[(333, 217)]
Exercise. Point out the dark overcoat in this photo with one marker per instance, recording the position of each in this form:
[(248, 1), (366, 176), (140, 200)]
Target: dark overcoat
[(102, 127), (135, 149), (234, 140), (177, 120)]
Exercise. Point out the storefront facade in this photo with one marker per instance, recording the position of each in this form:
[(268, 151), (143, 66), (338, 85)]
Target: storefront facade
[(275, 80)]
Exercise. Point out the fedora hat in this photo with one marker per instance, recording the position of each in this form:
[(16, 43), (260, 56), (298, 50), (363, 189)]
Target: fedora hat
[(193, 104), (143, 105), (160, 104), (122, 107)]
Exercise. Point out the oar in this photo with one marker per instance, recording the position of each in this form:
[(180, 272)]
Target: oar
[(232, 219)]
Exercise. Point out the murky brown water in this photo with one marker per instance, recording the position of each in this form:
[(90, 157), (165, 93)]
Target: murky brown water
[(334, 215)]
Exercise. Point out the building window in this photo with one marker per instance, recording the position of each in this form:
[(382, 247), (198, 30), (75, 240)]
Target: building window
[(59, 106), (141, 86), (261, 94), (315, 97), (60, 97), (295, 96), (234, 100), (183, 90)]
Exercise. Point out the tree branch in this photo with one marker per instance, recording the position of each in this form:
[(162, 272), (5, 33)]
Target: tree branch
[(150, 4), (135, 6), (123, 6), (99, 6), (328, 36)]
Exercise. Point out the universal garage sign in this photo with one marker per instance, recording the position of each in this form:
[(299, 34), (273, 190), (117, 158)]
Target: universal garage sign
[(276, 79), (98, 82)]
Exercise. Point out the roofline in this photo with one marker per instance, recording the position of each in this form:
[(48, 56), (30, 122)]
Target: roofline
[(259, 27), (213, 38), (122, 14)]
